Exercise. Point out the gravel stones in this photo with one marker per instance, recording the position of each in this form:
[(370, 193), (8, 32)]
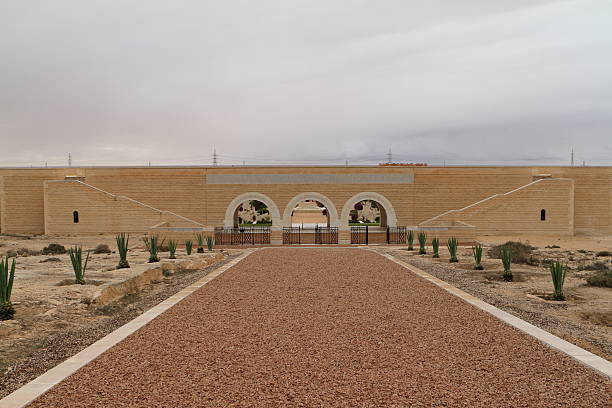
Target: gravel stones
[(333, 328)]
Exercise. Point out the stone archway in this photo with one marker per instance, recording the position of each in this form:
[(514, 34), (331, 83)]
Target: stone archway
[(329, 205), (378, 198), (231, 208)]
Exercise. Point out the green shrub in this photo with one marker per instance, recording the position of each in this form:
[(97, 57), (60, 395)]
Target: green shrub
[(604, 253), (210, 243), (78, 266), (153, 246), (410, 240), (435, 243), (188, 246), (477, 251), (557, 272), (521, 253), (7, 276), (54, 249), (601, 278), (172, 248), (506, 257), (122, 247), (422, 242), (452, 245), (200, 240)]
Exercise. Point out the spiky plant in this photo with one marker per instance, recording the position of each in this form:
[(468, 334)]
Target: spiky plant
[(410, 240), (435, 243), (422, 241), (188, 246), (477, 251), (557, 272), (172, 248), (506, 256), (153, 247), (122, 246), (452, 245), (200, 239), (78, 266), (7, 275), (210, 243)]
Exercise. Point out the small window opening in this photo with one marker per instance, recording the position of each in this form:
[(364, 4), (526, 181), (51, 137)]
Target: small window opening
[(75, 217), (542, 215)]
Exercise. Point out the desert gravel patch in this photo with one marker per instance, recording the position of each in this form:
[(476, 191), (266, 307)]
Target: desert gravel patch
[(327, 328)]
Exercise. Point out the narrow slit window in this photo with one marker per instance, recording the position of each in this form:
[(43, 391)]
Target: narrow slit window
[(542, 215), (75, 217)]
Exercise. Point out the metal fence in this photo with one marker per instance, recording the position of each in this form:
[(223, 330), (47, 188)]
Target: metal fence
[(242, 236), (360, 235), (326, 235), (396, 235), (292, 235)]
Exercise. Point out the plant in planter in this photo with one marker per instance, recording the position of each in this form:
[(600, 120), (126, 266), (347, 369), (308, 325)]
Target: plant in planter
[(435, 243), (210, 243), (78, 266), (200, 239), (477, 251), (506, 256), (452, 245), (557, 272), (122, 248), (172, 248), (7, 276), (422, 241), (188, 246), (153, 246), (410, 240)]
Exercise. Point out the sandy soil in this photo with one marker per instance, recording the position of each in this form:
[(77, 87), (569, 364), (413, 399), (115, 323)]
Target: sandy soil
[(331, 328)]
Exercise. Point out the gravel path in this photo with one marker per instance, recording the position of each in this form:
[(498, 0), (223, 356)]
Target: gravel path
[(327, 328)]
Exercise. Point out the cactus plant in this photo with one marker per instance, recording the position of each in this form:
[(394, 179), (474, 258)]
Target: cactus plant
[(410, 240), (188, 246), (477, 251), (200, 239), (422, 241), (557, 272), (122, 247), (452, 245), (506, 256), (78, 266), (7, 276), (172, 248), (153, 245), (435, 243), (210, 243)]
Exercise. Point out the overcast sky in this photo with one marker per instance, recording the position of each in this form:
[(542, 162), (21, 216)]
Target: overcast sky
[(286, 81)]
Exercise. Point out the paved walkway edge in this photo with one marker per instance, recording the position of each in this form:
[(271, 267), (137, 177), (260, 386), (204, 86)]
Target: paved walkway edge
[(587, 358), (35, 388)]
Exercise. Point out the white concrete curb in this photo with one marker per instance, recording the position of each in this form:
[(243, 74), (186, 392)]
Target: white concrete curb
[(35, 388), (587, 358)]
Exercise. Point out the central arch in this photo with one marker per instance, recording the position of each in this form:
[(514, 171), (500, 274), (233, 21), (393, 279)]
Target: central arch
[(231, 208), (368, 195), (329, 205)]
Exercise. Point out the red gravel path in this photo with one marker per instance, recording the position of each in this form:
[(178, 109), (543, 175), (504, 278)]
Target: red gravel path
[(327, 328)]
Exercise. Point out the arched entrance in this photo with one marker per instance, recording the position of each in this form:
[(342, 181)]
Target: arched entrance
[(372, 201), (310, 218), (236, 208), (316, 200)]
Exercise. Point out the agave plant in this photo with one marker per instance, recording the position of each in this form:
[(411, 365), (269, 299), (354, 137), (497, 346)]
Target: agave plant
[(210, 243), (122, 247), (188, 246), (153, 246), (410, 240), (557, 272), (452, 245), (78, 266), (200, 239), (422, 241), (172, 248), (435, 243), (477, 251), (506, 256), (7, 275)]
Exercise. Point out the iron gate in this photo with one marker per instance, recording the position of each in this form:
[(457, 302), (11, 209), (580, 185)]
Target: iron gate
[(359, 235), (326, 235), (396, 235), (291, 235), (242, 236)]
